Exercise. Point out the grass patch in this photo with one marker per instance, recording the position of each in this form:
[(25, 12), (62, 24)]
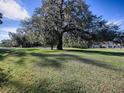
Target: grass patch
[(68, 71)]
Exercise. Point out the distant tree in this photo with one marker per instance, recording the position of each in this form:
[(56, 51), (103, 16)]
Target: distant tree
[(62, 16), (99, 30), (119, 38), (6, 43), (19, 38)]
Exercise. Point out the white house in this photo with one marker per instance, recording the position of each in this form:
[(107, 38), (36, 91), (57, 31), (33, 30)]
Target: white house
[(108, 44)]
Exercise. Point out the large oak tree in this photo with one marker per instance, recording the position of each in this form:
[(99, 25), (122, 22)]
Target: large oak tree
[(62, 16)]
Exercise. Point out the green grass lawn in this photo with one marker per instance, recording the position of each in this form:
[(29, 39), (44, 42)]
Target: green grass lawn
[(67, 71)]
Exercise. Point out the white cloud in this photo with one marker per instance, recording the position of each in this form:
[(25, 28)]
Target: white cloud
[(13, 10), (8, 29), (118, 22), (2, 37), (4, 32)]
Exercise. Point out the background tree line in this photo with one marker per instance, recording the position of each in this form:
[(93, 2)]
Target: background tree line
[(63, 22)]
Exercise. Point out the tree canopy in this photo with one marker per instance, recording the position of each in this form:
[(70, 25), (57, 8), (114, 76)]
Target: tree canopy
[(61, 16), (68, 21)]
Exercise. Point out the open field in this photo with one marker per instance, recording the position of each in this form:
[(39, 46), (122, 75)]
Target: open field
[(67, 71)]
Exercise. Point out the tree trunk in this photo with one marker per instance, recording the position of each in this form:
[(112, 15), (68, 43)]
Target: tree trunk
[(51, 46), (60, 42), (89, 44)]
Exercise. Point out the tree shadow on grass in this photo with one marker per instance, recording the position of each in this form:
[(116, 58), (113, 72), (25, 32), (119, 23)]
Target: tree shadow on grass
[(21, 54), (97, 52), (99, 64), (4, 53), (4, 77), (51, 60), (20, 62), (12, 52), (45, 86), (59, 59), (49, 63), (40, 86)]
